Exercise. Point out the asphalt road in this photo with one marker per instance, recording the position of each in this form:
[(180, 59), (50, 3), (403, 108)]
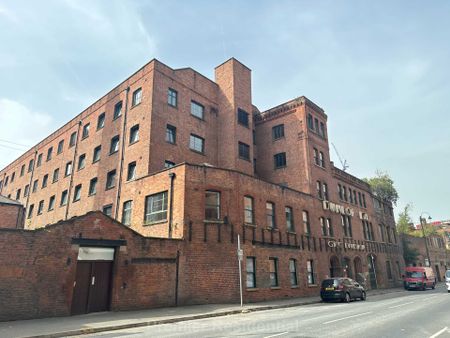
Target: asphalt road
[(400, 314)]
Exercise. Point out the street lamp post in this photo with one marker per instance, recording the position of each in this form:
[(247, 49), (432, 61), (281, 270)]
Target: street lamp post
[(423, 222)]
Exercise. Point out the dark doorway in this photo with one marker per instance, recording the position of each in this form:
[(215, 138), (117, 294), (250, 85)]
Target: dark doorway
[(348, 268), (92, 286), (335, 267), (438, 273), (371, 263)]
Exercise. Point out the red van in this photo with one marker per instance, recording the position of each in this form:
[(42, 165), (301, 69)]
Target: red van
[(419, 277)]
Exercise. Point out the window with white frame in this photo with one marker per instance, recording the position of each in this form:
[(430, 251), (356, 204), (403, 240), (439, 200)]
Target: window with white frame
[(156, 207)]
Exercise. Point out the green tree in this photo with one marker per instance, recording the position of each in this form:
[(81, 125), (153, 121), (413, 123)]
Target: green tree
[(382, 186), (405, 221), (409, 254)]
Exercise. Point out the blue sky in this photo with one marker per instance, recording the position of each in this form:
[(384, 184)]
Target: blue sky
[(380, 70)]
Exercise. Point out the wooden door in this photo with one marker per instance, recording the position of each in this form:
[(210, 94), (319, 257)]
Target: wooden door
[(100, 286), (92, 287), (81, 288)]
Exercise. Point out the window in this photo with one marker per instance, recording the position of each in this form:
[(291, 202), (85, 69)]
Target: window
[(81, 161), (51, 203), (117, 110), (114, 148), (64, 198), (322, 129), (68, 168), (35, 185), (293, 272), (319, 190), (126, 212), (197, 110), (244, 151), (131, 174), (306, 224), (289, 219), (354, 197), (156, 207), (360, 199), (172, 97), (212, 205), (137, 97), (310, 271), (329, 227), (22, 170), (321, 159), (316, 156), (77, 193), (242, 117), (364, 200), (273, 271), (31, 165), (316, 125), (97, 152), (279, 160), (278, 132), (381, 232), (251, 272), (60, 147), (6, 180), (168, 164), (101, 121), (309, 121), (44, 181), (93, 186), (197, 143), (40, 207), (18, 194), (85, 132), (323, 226), (249, 216), (341, 197), (270, 215), (350, 195), (39, 160), (73, 139), (254, 136), (107, 210), (26, 190), (171, 134), (55, 175), (346, 225), (344, 190), (388, 270), (325, 191), (13, 175), (30, 211), (111, 179), (134, 134)]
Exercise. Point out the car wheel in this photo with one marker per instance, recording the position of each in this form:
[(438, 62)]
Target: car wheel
[(448, 291), (347, 298), (363, 295)]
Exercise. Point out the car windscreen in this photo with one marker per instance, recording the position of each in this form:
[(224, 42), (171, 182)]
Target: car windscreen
[(447, 274), (329, 282), (414, 274)]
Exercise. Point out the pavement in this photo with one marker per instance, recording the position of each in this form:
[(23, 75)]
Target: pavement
[(109, 321)]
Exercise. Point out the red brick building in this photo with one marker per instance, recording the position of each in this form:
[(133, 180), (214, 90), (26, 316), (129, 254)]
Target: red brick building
[(173, 154), (11, 213)]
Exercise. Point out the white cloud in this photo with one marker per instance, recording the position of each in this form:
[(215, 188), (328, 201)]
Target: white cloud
[(20, 125), (8, 14)]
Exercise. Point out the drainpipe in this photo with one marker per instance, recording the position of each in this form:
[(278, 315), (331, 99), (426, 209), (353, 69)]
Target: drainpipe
[(176, 276), (172, 178), (30, 183), (75, 152), (122, 156)]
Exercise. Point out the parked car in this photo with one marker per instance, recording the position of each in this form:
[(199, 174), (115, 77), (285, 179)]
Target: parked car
[(341, 288), (419, 277), (447, 280)]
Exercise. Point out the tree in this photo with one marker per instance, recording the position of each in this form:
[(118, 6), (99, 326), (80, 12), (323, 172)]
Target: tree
[(405, 221), (409, 254), (382, 186)]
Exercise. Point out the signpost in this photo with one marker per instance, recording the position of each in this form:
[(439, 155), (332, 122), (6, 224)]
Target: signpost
[(240, 254)]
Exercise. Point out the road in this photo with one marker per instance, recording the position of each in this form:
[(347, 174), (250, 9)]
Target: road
[(401, 314)]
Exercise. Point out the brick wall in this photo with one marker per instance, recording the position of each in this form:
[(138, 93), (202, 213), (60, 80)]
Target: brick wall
[(11, 216)]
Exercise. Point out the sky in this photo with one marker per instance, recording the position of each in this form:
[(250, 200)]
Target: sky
[(379, 69)]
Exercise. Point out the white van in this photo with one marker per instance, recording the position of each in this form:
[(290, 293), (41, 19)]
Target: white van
[(447, 280)]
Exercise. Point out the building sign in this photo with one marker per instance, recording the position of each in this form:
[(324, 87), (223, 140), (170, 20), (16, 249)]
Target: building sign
[(363, 216), (351, 246), (337, 208)]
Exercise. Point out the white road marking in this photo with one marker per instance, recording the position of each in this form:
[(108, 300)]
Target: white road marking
[(439, 332), (393, 307), (358, 315), (276, 335)]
